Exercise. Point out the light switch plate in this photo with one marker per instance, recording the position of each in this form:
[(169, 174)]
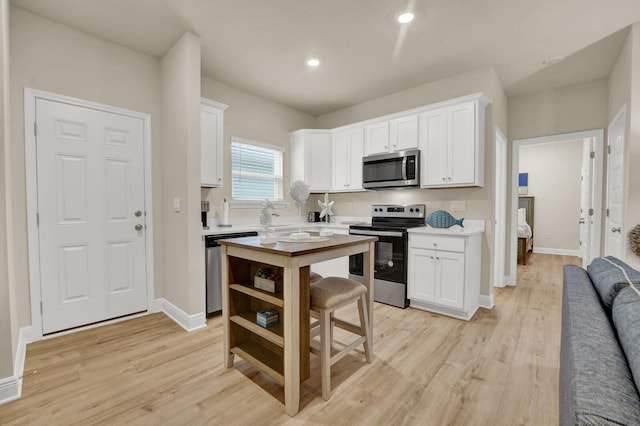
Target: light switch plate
[(176, 204)]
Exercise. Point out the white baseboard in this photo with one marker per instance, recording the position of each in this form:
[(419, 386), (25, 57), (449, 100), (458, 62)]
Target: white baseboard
[(486, 301), (11, 387), (184, 320), (564, 252)]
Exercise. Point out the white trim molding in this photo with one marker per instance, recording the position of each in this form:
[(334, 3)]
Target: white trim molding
[(11, 387), (184, 320), (486, 301), (563, 252)]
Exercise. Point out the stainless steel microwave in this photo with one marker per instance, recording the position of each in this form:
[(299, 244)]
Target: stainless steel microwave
[(393, 170)]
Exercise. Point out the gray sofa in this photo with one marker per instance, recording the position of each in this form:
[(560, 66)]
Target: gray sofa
[(600, 347)]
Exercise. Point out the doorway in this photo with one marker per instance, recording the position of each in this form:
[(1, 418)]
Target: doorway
[(89, 221), (594, 140)]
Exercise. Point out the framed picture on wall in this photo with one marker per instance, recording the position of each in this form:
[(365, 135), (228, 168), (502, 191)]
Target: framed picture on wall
[(523, 183)]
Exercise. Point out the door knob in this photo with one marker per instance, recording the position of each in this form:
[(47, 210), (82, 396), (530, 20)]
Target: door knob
[(138, 213), (616, 229), (138, 227)]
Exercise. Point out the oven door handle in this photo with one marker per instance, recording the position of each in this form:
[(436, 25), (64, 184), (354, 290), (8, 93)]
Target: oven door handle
[(376, 233)]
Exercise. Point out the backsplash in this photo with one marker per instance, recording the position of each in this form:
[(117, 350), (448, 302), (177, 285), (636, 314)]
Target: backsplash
[(460, 202)]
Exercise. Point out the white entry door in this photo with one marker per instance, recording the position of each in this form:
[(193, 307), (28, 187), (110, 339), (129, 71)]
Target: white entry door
[(91, 210), (615, 186)]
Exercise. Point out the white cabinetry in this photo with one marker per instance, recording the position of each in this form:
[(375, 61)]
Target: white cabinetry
[(211, 143), (311, 158), (444, 272), (396, 134), (452, 142), (347, 160), (403, 133), (376, 138)]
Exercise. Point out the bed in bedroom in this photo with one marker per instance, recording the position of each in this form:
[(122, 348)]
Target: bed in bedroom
[(525, 228)]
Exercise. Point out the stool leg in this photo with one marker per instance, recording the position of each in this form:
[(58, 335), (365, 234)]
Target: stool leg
[(366, 330), (325, 353)]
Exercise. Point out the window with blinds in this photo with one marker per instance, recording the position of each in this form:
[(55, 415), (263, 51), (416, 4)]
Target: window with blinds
[(256, 170)]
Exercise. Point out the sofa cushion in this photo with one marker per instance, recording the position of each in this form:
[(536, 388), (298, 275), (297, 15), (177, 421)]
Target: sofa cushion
[(609, 276), (626, 317), (596, 385)]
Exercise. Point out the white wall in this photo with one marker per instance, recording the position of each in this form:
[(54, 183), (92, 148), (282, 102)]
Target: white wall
[(51, 57), (554, 180), (252, 117), (180, 76), (7, 330)]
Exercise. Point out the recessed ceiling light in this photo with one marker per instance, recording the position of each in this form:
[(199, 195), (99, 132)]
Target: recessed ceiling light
[(405, 18), (553, 60), (313, 62)]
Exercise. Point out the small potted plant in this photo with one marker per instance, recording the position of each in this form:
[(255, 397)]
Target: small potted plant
[(267, 279)]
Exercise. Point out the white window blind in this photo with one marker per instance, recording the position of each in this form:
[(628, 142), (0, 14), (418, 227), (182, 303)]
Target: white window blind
[(256, 170)]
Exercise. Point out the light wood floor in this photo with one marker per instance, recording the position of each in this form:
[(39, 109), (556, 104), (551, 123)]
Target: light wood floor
[(501, 368)]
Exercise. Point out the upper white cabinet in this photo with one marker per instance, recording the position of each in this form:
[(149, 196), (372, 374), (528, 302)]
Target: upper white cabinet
[(211, 143), (376, 138), (396, 134), (347, 159), (449, 134), (311, 158), (451, 139), (403, 133)]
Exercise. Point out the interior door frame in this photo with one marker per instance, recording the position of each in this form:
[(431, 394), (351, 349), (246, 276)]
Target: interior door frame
[(30, 98), (597, 187), (620, 115), (500, 210)]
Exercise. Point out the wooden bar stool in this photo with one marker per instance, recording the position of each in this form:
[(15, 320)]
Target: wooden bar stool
[(327, 295)]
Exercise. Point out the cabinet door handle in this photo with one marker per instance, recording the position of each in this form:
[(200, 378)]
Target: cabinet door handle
[(618, 229), (443, 179)]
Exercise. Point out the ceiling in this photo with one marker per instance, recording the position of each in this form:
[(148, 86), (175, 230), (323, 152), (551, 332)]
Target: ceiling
[(261, 46)]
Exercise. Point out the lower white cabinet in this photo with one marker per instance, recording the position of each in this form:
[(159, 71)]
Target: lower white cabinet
[(444, 272)]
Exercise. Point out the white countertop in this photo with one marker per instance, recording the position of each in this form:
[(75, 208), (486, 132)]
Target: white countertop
[(471, 227), (283, 224)]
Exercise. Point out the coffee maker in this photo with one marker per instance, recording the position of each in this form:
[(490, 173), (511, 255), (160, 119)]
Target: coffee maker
[(204, 207)]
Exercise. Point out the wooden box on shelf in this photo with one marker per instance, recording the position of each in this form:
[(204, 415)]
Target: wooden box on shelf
[(267, 318), (268, 280)]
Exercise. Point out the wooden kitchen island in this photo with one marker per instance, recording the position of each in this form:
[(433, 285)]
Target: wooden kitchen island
[(281, 351)]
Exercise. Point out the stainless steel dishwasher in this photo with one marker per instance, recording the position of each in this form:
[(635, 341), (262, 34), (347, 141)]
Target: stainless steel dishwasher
[(213, 268)]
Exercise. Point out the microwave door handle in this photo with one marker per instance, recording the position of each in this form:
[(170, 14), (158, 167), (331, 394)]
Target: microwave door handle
[(404, 168)]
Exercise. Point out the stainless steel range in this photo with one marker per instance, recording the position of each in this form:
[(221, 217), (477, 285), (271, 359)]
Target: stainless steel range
[(390, 224)]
